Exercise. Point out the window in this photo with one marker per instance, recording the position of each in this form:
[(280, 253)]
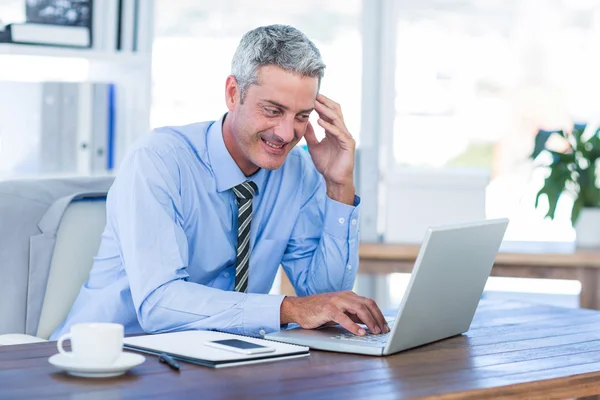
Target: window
[(475, 80), (195, 41)]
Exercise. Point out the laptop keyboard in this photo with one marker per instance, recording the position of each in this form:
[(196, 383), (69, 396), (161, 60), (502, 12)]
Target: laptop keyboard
[(368, 338)]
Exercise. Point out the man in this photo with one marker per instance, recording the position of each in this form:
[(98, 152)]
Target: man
[(201, 216)]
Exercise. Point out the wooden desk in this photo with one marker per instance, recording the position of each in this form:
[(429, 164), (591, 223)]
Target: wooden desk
[(517, 260), (513, 351)]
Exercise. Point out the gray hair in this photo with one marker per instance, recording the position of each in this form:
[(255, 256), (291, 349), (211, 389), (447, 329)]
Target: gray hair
[(279, 45)]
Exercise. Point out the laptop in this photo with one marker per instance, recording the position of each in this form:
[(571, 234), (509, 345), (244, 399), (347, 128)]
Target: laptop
[(445, 286)]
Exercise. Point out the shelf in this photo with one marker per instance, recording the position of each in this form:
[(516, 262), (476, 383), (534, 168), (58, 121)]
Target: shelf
[(63, 52)]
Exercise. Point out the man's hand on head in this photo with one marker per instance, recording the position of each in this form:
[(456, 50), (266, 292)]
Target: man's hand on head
[(334, 155), (344, 308)]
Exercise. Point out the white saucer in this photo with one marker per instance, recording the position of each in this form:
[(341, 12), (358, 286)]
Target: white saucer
[(125, 362)]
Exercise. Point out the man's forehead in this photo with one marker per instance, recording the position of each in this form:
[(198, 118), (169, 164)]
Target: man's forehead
[(270, 74), (285, 89)]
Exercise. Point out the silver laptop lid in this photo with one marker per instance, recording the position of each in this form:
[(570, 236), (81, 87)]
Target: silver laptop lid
[(446, 283)]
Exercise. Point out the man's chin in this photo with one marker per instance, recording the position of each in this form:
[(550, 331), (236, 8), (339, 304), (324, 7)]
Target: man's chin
[(271, 166), (270, 163)]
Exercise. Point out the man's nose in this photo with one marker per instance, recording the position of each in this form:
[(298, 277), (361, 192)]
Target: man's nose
[(285, 130)]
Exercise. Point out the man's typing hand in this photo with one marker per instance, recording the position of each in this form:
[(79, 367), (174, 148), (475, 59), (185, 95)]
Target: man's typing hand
[(344, 308)]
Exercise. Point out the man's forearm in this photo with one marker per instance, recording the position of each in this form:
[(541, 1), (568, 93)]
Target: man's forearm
[(324, 258), (286, 314), (181, 305)]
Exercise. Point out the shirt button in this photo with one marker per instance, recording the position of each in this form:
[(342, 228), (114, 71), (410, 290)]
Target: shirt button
[(226, 274), (262, 332), (353, 222), (341, 220), (349, 267)]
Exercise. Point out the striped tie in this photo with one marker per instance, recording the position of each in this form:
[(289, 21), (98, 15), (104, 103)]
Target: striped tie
[(244, 193)]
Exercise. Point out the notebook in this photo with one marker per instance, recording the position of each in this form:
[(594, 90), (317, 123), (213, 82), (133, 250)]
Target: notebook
[(188, 346)]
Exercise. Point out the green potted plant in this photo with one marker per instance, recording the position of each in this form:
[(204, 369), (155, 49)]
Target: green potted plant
[(573, 168)]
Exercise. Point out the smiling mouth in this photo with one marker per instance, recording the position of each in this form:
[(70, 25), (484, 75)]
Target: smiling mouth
[(273, 145)]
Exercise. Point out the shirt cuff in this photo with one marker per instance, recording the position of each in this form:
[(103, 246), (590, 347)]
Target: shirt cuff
[(261, 314), (341, 220)]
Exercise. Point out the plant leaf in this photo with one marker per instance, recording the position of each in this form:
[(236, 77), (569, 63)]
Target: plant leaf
[(554, 186), (558, 157), (540, 142), (589, 193), (578, 130), (593, 148), (577, 206), (553, 197)]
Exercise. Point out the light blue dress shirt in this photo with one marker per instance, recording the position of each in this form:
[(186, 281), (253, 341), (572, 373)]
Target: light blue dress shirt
[(167, 257)]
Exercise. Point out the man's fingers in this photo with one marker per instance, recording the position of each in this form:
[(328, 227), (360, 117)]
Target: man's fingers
[(309, 136), (362, 311), (378, 315), (354, 317), (330, 128), (335, 131), (329, 103), (347, 323), (330, 117), (346, 141), (373, 310), (328, 114)]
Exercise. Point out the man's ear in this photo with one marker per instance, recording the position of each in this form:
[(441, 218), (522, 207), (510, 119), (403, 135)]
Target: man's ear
[(232, 93)]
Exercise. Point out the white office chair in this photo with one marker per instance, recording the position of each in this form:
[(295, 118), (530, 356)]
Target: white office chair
[(77, 241)]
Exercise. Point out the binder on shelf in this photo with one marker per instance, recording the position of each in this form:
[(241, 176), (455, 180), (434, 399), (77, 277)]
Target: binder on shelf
[(188, 346), (4, 35), (127, 24), (74, 122), (102, 137), (57, 127), (111, 24), (119, 24), (98, 15), (50, 35), (144, 26), (60, 12), (105, 24), (51, 157)]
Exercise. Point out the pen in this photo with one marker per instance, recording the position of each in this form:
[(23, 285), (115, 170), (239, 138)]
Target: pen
[(170, 361)]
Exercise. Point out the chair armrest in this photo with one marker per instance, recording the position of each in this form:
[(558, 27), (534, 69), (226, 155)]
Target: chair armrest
[(19, 338)]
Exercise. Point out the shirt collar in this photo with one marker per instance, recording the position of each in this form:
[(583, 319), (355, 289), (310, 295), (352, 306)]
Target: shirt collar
[(226, 171)]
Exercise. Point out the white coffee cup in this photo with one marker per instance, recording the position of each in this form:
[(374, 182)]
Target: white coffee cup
[(96, 343)]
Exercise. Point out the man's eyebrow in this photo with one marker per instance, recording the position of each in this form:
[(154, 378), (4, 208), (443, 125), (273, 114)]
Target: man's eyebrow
[(276, 104)]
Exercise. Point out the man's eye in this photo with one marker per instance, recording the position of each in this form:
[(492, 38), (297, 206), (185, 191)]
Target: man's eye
[(303, 117), (272, 111)]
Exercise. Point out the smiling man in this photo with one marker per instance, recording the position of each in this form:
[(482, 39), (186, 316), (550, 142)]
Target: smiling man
[(201, 216)]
